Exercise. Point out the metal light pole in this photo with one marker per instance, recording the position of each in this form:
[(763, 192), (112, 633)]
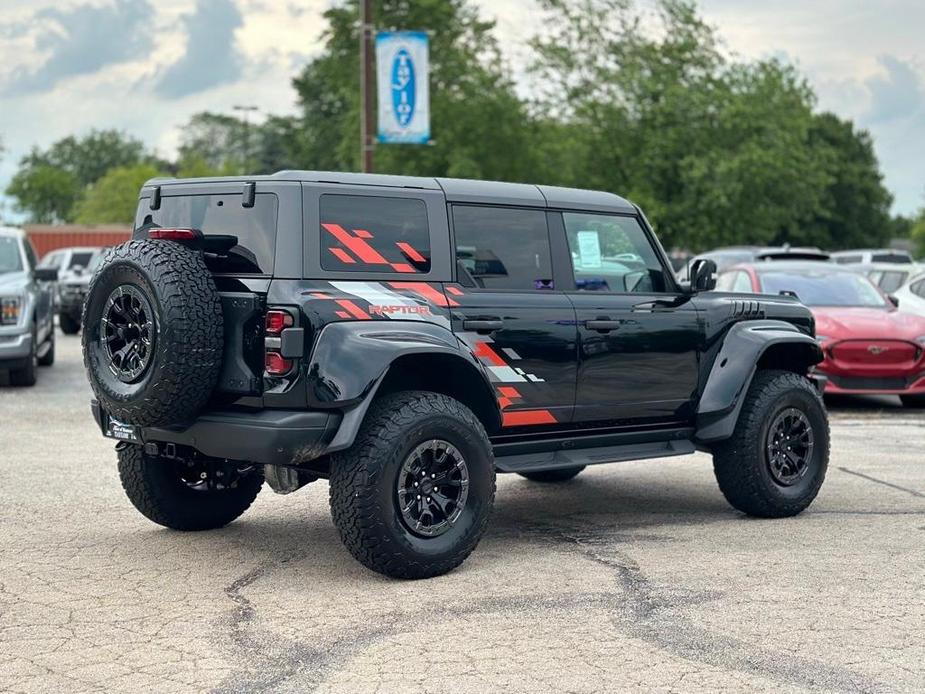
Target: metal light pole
[(247, 133), (367, 86)]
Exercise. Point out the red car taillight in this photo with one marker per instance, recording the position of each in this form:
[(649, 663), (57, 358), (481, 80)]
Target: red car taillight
[(175, 234), (275, 322), (276, 365)]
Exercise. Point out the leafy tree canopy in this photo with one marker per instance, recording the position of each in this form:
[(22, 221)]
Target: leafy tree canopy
[(46, 193), (114, 197)]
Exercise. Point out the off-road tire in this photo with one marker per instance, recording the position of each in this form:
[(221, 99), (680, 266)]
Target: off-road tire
[(26, 376), (188, 333), (154, 487), (913, 401), (68, 325), (560, 475), (364, 502), (49, 357), (741, 462)]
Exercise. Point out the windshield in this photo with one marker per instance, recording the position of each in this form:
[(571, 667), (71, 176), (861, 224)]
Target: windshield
[(81, 258), (10, 257), (824, 289)]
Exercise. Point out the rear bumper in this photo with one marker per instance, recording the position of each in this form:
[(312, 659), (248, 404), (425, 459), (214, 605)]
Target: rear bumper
[(270, 437)]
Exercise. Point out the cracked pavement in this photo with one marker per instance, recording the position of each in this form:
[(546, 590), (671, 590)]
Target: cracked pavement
[(634, 576)]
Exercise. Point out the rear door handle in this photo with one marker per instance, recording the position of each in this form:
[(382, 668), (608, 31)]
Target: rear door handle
[(483, 327), (602, 325)]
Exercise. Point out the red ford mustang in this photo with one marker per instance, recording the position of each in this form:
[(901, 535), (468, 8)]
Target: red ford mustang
[(870, 347)]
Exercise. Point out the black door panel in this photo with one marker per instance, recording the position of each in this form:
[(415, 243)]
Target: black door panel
[(644, 367), (510, 315), (639, 338), (527, 342)]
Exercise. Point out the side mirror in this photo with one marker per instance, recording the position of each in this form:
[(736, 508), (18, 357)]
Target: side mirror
[(894, 300), (46, 274), (702, 276)]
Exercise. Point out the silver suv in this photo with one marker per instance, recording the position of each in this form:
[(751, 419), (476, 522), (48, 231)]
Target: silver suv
[(27, 333)]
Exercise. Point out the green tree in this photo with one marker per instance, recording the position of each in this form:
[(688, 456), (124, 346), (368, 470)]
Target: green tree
[(50, 182), (89, 157), (717, 151), (226, 145), (917, 233), (114, 197), (855, 207), (47, 194), (478, 123), (214, 140)]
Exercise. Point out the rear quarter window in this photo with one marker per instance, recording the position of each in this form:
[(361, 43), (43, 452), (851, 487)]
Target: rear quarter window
[(361, 233), (254, 227)]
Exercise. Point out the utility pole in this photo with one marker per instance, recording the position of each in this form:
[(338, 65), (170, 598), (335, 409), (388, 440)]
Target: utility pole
[(247, 134), (367, 86)]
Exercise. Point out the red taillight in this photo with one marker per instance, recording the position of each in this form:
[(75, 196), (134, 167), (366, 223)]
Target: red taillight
[(174, 234), (277, 321), (276, 365)]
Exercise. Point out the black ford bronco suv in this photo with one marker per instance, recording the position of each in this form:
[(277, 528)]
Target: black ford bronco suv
[(405, 338)]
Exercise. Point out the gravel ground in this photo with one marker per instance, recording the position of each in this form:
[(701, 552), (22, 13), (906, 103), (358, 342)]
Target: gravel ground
[(633, 576)]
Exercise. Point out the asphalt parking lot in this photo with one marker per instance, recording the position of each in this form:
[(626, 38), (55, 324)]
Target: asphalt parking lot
[(634, 576)]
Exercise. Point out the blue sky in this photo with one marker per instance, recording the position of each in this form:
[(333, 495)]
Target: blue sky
[(145, 66)]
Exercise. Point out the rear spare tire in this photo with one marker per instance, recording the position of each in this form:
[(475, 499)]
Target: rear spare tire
[(152, 339)]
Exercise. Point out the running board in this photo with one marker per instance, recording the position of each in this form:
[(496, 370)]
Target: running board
[(553, 460)]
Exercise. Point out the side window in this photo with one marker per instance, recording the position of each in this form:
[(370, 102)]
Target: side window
[(743, 283), (30, 254), (374, 234), (918, 288), (612, 254), (892, 280), (502, 248), (725, 281)]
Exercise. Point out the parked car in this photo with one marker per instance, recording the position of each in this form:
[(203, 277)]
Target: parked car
[(911, 295), (27, 333), (72, 290), (69, 262), (872, 255), (725, 258), (869, 346), (311, 325), (888, 276)]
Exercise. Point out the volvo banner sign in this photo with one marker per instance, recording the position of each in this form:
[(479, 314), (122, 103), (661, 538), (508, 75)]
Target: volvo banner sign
[(402, 69)]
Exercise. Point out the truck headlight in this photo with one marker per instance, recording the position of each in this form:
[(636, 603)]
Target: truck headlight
[(10, 306)]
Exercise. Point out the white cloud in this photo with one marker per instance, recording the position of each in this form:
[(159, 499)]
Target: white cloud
[(863, 59)]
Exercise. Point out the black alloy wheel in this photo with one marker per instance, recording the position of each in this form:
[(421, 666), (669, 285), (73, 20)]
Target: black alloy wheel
[(432, 488), (127, 333), (789, 446)]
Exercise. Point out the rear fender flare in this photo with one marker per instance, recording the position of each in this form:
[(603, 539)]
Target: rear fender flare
[(350, 360), (735, 365)]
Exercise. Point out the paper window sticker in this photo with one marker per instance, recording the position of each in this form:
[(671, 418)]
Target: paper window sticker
[(589, 249)]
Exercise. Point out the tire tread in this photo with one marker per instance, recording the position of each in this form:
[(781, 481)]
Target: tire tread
[(355, 476)]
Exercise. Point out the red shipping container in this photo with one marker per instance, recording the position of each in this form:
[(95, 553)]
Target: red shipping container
[(46, 237)]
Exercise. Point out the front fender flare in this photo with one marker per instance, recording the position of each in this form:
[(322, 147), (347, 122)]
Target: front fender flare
[(735, 366)]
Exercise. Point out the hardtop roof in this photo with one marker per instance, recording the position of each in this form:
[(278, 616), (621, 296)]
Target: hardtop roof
[(455, 189), (12, 231)]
